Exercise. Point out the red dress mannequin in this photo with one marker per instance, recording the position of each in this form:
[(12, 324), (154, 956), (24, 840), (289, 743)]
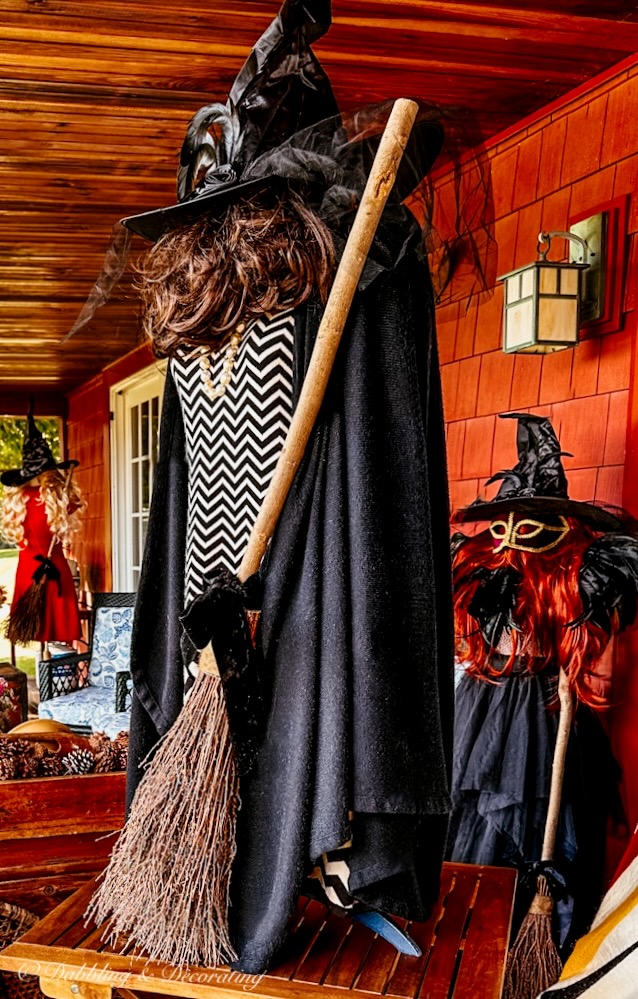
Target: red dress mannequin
[(62, 619)]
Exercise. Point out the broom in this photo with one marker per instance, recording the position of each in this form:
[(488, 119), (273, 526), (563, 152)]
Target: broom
[(533, 963), (26, 620), (166, 889)]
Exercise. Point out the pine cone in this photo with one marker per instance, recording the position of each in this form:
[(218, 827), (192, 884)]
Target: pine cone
[(25, 761), (7, 760), (121, 743), (28, 765), (51, 765), (78, 761), (105, 752)]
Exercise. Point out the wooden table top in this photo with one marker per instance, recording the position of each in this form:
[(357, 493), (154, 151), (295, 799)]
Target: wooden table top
[(464, 945)]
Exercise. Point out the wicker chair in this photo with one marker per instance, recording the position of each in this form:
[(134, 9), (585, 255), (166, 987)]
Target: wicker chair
[(90, 691)]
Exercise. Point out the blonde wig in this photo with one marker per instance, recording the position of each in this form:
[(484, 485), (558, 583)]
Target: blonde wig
[(64, 507)]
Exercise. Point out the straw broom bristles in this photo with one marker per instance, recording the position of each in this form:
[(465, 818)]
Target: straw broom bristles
[(167, 885), (533, 962), (27, 618)]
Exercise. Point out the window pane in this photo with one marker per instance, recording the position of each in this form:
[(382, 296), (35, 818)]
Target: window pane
[(135, 525), (145, 428), (135, 420), (154, 428), (135, 487), (146, 490), (144, 531)]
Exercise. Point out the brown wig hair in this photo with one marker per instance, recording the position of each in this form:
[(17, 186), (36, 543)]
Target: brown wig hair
[(547, 602), (267, 253)]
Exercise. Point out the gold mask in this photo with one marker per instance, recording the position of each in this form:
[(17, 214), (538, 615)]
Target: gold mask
[(519, 534)]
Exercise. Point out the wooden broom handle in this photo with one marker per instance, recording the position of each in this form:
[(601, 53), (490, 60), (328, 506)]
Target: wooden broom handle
[(380, 183), (558, 765)]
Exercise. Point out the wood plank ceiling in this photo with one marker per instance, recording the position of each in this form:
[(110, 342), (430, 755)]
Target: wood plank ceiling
[(95, 96)]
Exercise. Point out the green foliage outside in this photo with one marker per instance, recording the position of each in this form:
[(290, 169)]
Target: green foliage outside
[(12, 432), (26, 664)]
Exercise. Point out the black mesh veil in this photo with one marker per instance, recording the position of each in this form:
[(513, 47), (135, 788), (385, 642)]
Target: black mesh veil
[(452, 206), (329, 163)]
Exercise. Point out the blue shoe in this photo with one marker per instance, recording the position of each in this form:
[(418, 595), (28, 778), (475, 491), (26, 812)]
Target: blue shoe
[(388, 929)]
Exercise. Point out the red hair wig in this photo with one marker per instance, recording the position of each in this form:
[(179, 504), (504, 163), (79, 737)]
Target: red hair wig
[(547, 601)]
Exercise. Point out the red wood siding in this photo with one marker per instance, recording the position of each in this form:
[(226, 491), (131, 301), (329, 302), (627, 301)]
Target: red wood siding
[(578, 155), (88, 431)]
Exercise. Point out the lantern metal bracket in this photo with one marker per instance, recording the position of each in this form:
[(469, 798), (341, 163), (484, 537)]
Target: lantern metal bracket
[(545, 239)]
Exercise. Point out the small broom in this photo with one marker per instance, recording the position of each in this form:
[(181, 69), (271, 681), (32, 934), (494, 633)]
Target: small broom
[(533, 963), (166, 889), (26, 620)]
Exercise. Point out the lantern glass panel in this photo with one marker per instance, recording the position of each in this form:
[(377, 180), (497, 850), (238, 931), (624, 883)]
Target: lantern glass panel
[(547, 282), (569, 281), (527, 282), (557, 320), (519, 321), (514, 288)]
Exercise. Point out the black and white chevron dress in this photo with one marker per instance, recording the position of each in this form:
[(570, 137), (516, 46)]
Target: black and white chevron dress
[(232, 446), (232, 442)]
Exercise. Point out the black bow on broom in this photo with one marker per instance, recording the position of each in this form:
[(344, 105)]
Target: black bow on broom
[(47, 570), (218, 617), (559, 888)]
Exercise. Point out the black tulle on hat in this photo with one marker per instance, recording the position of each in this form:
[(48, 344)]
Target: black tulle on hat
[(537, 484), (280, 89), (37, 457)]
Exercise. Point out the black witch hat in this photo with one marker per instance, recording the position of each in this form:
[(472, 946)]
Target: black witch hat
[(537, 483), (37, 456), (280, 92), (280, 89)]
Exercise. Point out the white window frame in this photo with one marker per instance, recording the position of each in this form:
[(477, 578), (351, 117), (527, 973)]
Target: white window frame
[(148, 382)]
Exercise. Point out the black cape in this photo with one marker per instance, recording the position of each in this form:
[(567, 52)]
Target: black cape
[(356, 626)]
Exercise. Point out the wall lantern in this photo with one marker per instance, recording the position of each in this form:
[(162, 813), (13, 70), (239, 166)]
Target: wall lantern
[(541, 307)]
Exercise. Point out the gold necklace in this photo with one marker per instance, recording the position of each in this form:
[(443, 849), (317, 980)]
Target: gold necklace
[(230, 356)]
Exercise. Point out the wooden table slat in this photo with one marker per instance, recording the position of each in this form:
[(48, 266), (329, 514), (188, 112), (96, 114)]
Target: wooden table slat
[(481, 970), (377, 968), (49, 929), (323, 952), (74, 934), (449, 933), (408, 974), (349, 960), (301, 940)]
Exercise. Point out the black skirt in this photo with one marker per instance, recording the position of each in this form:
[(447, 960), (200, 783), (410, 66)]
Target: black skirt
[(504, 739), (503, 746)]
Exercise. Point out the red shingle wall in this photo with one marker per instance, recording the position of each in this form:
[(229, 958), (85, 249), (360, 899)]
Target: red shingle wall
[(573, 158), (88, 436)]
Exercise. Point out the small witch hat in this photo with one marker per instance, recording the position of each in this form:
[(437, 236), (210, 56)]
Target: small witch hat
[(37, 456), (537, 483)]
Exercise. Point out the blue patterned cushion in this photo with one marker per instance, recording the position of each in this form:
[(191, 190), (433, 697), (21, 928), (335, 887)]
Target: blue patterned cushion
[(81, 707), (111, 645), (112, 723)]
